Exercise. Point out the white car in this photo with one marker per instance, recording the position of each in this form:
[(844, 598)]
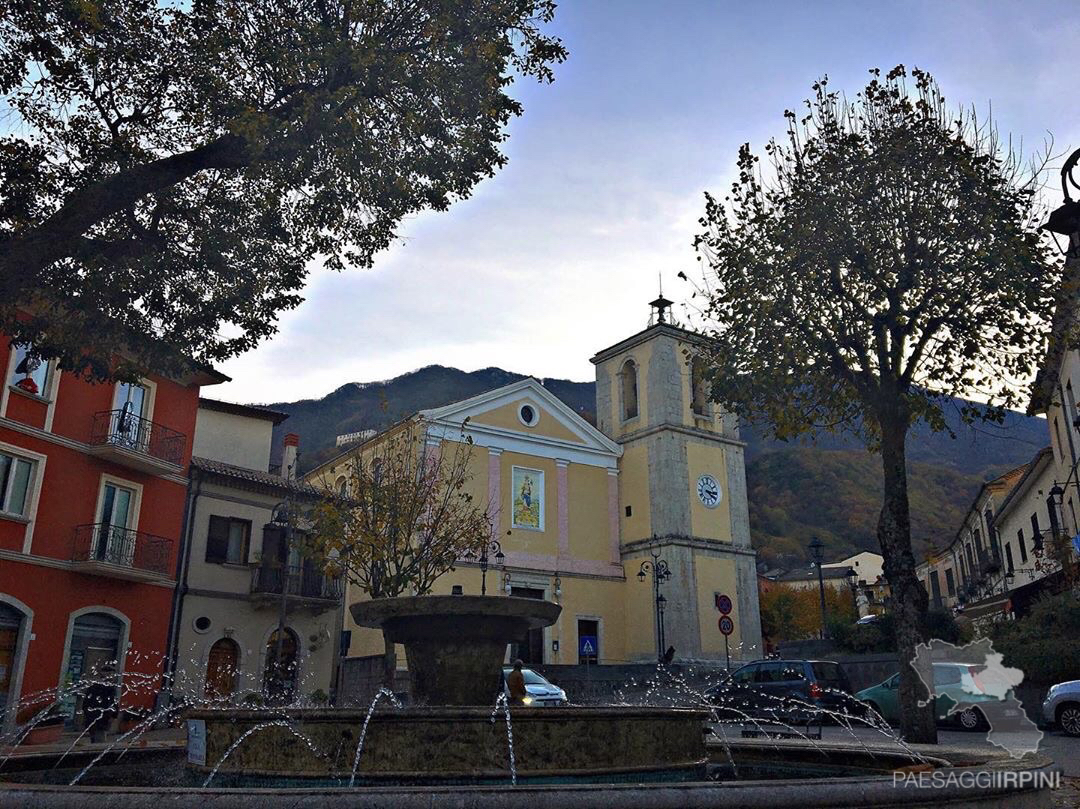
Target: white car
[(1062, 707), (542, 694)]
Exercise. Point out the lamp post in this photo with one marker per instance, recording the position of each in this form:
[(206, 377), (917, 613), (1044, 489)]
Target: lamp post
[(852, 580), (283, 518), (500, 557), (816, 548), (660, 572)]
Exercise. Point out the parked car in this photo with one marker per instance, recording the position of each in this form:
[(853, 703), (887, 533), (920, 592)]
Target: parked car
[(542, 694), (953, 682), (785, 690), (1061, 707)]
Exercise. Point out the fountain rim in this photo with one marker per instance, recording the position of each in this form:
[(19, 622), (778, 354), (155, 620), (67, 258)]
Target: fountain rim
[(843, 790), (531, 612)]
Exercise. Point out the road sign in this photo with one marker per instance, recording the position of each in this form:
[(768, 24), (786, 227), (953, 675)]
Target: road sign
[(587, 646), (727, 626), (723, 603)]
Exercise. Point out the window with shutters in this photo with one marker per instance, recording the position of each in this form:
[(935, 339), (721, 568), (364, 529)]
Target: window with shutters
[(227, 540)]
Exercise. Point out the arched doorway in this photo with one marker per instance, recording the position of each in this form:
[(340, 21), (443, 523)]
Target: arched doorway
[(221, 668), (280, 675), (94, 643), (11, 621)]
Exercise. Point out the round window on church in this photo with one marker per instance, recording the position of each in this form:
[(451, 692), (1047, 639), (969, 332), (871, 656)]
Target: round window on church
[(528, 415)]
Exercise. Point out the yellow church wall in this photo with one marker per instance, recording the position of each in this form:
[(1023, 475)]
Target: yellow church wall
[(591, 599), (529, 540), (587, 508), (639, 613), (641, 355), (713, 576), (506, 418), (634, 492), (708, 523)]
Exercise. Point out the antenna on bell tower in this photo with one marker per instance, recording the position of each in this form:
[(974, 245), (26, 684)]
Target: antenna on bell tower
[(661, 304)]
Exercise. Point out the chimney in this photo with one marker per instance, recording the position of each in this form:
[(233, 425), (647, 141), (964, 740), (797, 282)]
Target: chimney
[(289, 455)]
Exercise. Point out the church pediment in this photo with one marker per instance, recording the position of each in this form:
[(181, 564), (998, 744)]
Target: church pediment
[(524, 415)]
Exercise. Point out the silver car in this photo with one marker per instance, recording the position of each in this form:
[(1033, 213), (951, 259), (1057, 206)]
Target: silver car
[(541, 693), (1062, 707)]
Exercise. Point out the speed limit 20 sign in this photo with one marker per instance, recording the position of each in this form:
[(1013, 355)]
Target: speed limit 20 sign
[(727, 626)]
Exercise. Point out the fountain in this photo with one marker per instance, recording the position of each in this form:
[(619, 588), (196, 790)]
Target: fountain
[(455, 646), (460, 743)]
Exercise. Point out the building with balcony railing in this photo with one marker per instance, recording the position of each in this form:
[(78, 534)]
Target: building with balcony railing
[(92, 494), (241, 572)]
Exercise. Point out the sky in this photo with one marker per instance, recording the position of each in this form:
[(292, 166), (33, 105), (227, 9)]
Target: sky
[(558, 254)]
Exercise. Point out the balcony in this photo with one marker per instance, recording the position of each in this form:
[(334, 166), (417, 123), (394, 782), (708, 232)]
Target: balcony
[(120, 553), (306, 586), (124, 438)]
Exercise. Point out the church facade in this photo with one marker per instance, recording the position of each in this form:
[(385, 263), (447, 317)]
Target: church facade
[(587, 516)]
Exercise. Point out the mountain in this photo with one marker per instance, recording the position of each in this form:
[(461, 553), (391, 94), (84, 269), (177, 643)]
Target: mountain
[(829, 486)]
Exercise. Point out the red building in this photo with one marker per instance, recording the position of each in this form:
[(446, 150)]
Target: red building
[(92, 496)]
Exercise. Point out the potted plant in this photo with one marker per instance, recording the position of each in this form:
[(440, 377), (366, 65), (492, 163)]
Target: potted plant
[(46, 729)]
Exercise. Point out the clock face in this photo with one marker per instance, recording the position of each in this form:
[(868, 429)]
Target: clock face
[(708, 491)]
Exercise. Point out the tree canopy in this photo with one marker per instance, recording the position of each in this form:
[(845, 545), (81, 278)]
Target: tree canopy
[(886, 258), (170, 170), (400, 513), (887, 255)]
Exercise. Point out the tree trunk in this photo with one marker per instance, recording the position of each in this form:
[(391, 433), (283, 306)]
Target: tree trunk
[(389, 663), (908, 599)]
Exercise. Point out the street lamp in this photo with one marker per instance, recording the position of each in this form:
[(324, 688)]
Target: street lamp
[(283, 519), (500, 557), (852, 581), (816, 548), (660, 572)]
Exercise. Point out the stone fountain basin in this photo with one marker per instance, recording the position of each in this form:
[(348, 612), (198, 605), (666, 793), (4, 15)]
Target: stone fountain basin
[(455, 645), (144, 779), (438, 744)]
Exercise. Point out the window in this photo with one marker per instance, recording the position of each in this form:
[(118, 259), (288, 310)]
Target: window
[(1009, 558), (1057, 435), (628, 375), (746, 674), (528, 415), (950, 582), (15, 476), (342, 486), (697, 386), (1051, 509), (1071, 400), (792, 671), (227, 540), (769, 672), (1023, 550), (114, 543), (935, 586), (31, 374)]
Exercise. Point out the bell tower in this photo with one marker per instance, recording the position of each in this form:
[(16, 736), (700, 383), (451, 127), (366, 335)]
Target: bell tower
[(682, 490)]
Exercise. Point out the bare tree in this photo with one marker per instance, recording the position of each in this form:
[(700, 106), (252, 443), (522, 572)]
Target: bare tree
[(400, 516)]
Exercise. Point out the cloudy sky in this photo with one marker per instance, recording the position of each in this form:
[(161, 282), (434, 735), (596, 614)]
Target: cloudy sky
[(557, 255)]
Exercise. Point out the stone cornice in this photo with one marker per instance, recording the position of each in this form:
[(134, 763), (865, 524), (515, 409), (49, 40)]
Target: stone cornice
[(637, 546), (666, 329), (638, 435)]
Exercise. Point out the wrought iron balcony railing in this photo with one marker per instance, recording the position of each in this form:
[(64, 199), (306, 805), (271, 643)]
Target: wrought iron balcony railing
[(125, 430), (299, 581), (122, 548)]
